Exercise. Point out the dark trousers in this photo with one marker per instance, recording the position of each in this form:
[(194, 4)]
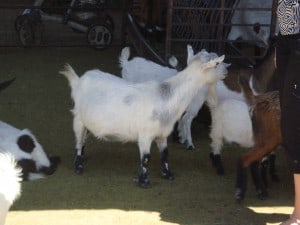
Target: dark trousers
[(288, 65)]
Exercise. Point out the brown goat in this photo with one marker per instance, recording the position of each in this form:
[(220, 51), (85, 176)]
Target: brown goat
[(265, 116)]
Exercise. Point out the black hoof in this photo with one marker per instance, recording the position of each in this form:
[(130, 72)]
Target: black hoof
[(262, 195), (239, 195), (79, 169), (168, 175), (190, 148), (212, 159), (143, 182), (79, 164)]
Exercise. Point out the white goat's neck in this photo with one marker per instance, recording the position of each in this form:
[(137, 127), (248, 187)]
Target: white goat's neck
[(182, 89)]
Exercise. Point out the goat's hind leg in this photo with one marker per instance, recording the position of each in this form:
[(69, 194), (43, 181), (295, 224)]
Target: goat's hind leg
[(164, 152), (80, 134), (258, 180)]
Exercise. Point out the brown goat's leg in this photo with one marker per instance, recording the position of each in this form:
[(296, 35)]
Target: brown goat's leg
[(253, 155), (258, 180)]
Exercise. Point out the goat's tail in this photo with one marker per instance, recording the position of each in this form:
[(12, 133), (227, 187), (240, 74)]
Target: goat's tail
[(244, 81), (10, 178), (125, 53), (70, 74)]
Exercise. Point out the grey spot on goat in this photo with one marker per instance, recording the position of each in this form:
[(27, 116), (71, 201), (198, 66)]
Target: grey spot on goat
[(162, 116), (165, 90), (128, 99)]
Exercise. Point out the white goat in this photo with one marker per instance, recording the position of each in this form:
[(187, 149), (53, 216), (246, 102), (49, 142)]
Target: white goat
[(10, 180), (250, 17), (28, 152), (113, 108), (226, 89), (131, 71)]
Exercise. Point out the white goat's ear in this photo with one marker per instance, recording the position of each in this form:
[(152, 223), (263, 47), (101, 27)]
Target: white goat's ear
[(190, 53), (203, 50), (220, 59), (173, 61), (213, 62)]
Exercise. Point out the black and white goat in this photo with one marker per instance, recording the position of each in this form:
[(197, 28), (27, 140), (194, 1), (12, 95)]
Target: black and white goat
[(112, 108), (10, 184), (28, 152)]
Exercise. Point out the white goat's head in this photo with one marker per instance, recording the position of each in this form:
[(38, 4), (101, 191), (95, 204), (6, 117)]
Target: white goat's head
[(214, 69)]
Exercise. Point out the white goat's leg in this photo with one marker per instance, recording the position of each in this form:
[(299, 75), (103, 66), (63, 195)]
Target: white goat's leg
[(181, 131), (80, 134), (144, 147), (163, 149), (187, 123), (216, 145), (184, 130)]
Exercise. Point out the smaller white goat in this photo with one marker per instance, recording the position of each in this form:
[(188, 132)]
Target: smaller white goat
[(131, 71), (115, 109), (28, 152), (10, 180)]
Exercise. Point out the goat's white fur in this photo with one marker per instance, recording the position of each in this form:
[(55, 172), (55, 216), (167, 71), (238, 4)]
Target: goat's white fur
[(109, 106), (8, 143), (230, 122), (131, 71), (10, 184)]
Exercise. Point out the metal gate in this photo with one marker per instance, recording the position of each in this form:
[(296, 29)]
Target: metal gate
[(208, 23)]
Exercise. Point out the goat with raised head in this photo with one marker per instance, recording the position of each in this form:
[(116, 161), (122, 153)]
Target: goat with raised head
[(131, 71), (10, 180), (114, 109)]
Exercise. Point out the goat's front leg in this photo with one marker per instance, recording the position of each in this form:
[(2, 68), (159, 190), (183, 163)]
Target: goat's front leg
[(80, 134), (163, 149), (184, 131), (144, 147)]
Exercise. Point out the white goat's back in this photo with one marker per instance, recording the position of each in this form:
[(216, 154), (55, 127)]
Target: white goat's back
[(106, 93), (10, 184), (140, 69)]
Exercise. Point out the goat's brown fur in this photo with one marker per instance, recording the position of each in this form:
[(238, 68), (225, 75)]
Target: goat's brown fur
[(265, 116), (266, 127)]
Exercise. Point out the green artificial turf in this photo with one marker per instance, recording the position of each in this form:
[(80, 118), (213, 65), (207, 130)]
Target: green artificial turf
[(105, 193)]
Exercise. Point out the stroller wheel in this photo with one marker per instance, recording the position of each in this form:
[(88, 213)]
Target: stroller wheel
[(99, 36), (109, 21), (26, 34), (19, 21), (29, 33)]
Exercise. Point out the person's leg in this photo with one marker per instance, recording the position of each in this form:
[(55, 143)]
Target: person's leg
[(290, 124)]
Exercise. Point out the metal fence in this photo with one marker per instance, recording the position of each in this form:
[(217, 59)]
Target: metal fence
[(209, 23)]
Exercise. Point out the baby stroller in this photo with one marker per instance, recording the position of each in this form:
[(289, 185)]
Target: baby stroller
[(84, 16)]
